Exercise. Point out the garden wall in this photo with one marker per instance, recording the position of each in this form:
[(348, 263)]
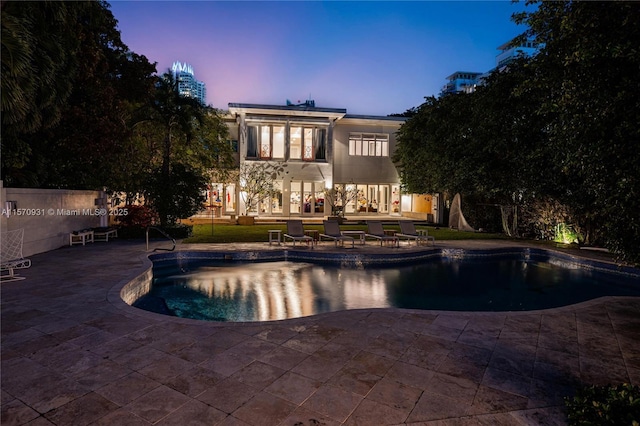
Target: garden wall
[(48, 216)]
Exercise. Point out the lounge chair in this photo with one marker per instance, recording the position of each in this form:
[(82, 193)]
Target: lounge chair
[(12, 257), (295, 232), (332, 232), (408, 231), (375, 230)]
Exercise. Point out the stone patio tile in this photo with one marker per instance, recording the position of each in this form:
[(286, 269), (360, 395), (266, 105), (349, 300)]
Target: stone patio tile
[(371, 363), (463, 369), (424, 358), (276, 334), (479, 357), (307, 343), (293, 387), (193, 413), (555, 374), (121, 417), (442, 332), (517, 359), (410, 375), (89, 341), (232, 421), (490, 400), (559, 343), (334, 403), (254, 348), (258, 374), (524, 323), (82, 411), (451, 321), (304, 417), (103, 373), (197, 353), (227, 395), (452, 387), (157, 403), (283, 357), (165, 368), (318, 368), (337, 351), (634, 376), (433, 406), (128, 388), (598, 346), (264, 409), (479, 338), (195, 381), (603, 371), (51, 391), (355, 379), (562, 360), (226, 363), (546, 394), (517, 338), (414, 323), (115, 348), (371, 413), (550, 416), (140, 357), (395, 394), (172, 343), (15, 412), (226, 338), (507, 382)]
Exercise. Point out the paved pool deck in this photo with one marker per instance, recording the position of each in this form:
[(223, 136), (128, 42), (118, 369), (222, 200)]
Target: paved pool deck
[(72, 355)]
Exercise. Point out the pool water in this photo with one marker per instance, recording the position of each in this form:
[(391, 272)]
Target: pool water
[(279, 290)]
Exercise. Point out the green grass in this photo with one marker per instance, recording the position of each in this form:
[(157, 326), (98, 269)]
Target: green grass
[(258, 233)]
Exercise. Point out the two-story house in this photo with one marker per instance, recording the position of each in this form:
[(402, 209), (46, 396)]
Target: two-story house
[(322, 148)]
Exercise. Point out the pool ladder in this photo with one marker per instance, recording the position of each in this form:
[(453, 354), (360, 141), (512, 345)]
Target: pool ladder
[(163, 233)]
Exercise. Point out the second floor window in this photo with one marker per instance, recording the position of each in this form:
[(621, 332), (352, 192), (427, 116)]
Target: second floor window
[(369, 144), (265, 141), (308, 143)]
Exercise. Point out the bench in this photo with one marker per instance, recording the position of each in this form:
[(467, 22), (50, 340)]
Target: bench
[(81, 237), (103, 234)]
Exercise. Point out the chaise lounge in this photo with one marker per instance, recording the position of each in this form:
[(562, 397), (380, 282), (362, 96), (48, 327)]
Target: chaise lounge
[(332, 232), (408, 231), (295, 232), (375, 230)]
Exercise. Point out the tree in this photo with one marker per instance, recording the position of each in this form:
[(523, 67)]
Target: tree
[(589, 69), (339, 196), (257, 182), (69, 85)]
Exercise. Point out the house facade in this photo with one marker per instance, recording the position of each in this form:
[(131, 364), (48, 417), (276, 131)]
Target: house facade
[(315, 149)]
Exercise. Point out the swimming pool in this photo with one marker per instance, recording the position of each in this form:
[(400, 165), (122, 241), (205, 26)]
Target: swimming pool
[(254, 288)]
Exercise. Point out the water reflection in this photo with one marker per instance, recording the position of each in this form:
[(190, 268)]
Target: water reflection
[(280, 290)]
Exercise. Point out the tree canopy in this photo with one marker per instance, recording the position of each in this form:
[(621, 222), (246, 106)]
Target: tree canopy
[(81, 111), (558, 129)]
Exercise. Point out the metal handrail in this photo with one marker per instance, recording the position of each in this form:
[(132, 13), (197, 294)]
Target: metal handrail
[(163, 233)]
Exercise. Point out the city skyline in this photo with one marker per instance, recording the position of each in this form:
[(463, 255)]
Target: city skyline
[(373, 58)]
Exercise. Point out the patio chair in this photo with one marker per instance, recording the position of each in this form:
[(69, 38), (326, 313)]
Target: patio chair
[(295, 232), (332, 232), (12, 257), (375, 230), (408, 231)]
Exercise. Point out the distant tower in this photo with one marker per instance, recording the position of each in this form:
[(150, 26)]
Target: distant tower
[(187, 83)]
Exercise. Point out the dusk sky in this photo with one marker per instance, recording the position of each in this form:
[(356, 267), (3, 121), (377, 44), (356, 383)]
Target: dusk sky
[(374, 58)]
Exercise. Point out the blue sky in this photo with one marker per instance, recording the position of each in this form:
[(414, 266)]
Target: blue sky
[(372, 58)]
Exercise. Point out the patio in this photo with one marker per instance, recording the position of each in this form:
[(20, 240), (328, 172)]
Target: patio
[(72, 353)]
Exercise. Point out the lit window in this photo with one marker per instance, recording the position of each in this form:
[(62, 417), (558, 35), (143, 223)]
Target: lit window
[(371, 145)]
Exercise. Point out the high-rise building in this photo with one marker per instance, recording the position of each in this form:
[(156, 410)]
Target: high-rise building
[(466, 82), (187, 84)]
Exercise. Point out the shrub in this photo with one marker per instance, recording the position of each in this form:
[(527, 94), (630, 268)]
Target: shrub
[(137, 216), (605, 405)]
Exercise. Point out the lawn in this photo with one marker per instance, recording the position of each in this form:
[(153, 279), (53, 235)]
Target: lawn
[(258, 233)]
